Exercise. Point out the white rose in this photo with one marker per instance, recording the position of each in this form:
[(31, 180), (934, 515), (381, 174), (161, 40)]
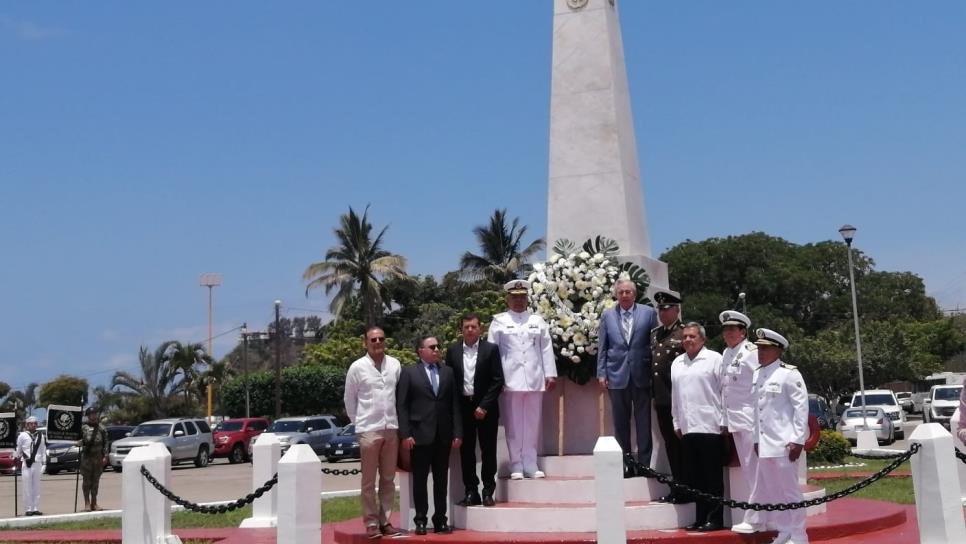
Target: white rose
[(584, 255), (580, 349), (575, 358)]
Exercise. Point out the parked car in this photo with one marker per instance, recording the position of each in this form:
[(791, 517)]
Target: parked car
[(312, 430), (885, 399), (186, 439), (8, 464), (942, 402), (233, 437), (818, 407), (63, 456), (876, 419), (344, 445), (905, 401)]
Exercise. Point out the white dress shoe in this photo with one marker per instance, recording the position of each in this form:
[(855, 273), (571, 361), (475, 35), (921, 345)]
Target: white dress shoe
[(516, 476), (539, 474), (746, 528)]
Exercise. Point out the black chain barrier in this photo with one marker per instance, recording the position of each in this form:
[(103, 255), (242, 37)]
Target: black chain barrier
[(202, 509), (960, 455), (878, 456), (666, 479), (343, 472)]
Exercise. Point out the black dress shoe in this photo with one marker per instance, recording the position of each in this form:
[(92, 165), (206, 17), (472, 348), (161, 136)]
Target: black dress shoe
[(665, 498), (710, 526), (488, 500), (442, 529), (696, 526), (420, 528), (630, 466), (471, 499)]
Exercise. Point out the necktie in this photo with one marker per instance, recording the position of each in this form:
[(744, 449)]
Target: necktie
[(626, 325), (434, 378)]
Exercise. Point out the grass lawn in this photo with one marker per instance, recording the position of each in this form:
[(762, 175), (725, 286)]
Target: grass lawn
[(332, 510)]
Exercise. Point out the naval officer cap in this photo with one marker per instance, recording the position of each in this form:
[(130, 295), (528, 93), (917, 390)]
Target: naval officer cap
[(30, 419), (517, 287), (665, 298), (731, 317), (768, 337)]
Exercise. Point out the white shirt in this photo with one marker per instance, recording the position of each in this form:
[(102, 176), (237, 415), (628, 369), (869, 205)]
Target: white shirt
[(696, 393), (526, 350), (370, 394), (25, 446), (469, 366), (739, 363), (781, 409)]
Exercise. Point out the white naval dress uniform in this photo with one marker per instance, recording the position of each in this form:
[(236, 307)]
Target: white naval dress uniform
[(781, 418), (526, 351), (31, 475), (740, 363)]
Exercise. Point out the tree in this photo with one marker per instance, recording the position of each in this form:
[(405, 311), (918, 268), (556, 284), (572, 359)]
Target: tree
[(502, 255), (21, 402), (160, 382), (64, 389), (192, 360), (356, 265)]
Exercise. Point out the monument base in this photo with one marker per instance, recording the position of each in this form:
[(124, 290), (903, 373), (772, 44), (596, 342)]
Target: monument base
[(656, 271)]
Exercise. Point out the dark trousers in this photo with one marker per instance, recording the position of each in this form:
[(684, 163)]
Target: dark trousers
[(672, 444), (703, 459), (486, 430), (433, 456), (634, 401)]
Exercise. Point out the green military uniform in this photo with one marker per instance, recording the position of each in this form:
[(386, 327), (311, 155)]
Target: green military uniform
[(666, 345), (93, 449)]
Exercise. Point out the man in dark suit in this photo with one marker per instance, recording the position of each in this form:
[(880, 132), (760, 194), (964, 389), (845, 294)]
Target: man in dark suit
[(624, 371), (478, 370), (427, 404)]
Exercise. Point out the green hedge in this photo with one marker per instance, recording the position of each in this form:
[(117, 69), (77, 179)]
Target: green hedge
[(832, 447), (306, 390)]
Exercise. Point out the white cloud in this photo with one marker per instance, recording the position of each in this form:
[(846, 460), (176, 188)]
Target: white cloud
[(27, 30)]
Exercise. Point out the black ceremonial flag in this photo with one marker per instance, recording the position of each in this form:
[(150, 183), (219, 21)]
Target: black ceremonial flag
[(64, 422), (8, 430)]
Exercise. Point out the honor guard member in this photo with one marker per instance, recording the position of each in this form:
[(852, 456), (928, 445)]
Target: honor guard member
[(666, 345), (93, 444), (740, 360), (529, 369), (781, 428), (31, 451)]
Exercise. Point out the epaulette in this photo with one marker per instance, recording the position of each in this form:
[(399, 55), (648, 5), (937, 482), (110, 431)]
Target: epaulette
[(751, 347), (789, 367)]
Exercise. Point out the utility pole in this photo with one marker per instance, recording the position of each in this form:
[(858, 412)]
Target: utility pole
[(245, 367), (210, 281), (278, 360)]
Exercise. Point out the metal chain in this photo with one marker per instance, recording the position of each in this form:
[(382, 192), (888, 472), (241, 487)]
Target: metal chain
[(666, 479), (343, 472), (202, 509), (960, 455), (878, 456)]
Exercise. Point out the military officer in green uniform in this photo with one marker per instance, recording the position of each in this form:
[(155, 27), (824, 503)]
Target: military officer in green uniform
[(93, 446), (666, 345)]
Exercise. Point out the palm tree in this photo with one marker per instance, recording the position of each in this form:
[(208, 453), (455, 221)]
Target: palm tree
[(160, 380), (502, 253), (356, 265), (191, 359), (22, 402)]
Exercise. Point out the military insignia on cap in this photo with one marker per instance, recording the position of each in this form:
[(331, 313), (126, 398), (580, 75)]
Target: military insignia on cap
[(517, 287), (767, 337), (732, 317)]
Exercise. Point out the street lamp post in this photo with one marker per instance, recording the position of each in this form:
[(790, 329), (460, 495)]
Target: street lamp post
[(210, 281), (244, 331), (848, 232), (278, 360)]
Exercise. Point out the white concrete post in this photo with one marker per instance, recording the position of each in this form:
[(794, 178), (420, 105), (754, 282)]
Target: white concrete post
[(406, 509), (609, 489), (954, 426), (866, 440), (939, 508), (146, 516), (266, 452), (299, 496)]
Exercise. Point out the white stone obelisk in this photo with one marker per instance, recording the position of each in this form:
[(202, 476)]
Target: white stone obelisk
[(595, 180), (595, 183)]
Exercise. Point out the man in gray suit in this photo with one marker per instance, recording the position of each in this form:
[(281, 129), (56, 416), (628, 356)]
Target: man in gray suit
[(623, 366)]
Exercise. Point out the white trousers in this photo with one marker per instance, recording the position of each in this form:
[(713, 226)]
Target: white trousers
[(31, 487), (776, 482), (745, 445), (520, 412)]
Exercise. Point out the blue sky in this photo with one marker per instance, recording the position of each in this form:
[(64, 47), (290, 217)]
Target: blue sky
[(143, 146)]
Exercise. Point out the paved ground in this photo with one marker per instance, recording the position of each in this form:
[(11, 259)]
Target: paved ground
[(218, 481)]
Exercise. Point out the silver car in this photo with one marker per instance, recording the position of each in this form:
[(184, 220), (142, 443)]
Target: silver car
[(875, 419), (312, 430), (187, 439)]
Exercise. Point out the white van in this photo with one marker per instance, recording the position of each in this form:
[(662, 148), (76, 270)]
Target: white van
[(887, 400), (942, 402)]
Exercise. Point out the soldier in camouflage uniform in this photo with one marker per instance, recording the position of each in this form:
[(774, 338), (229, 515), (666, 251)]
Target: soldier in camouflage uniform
[(666, 345), (93, 446)]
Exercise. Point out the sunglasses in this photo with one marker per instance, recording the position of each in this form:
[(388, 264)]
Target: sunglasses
[(434, 347), (378, 339)]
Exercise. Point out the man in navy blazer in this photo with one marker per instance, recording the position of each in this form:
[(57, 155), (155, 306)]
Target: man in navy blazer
[(429, 425), (623, 369), (478, 370)]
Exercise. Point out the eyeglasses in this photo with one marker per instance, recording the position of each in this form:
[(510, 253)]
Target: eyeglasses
[(378, 339), (434, 347)]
